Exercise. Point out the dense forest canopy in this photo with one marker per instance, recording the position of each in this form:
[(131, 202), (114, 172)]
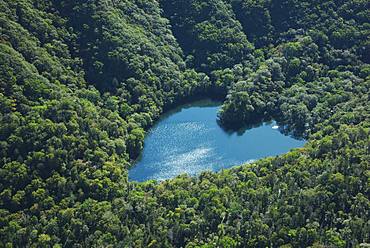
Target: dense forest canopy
[(82, 81)]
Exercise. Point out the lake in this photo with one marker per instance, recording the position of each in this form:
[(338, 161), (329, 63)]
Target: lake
[(189, 140)]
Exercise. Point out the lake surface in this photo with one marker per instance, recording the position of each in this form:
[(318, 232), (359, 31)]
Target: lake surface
[(189, 140)]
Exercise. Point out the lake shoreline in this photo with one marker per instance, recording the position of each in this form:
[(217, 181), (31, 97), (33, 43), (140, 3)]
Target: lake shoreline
[(188, 139)]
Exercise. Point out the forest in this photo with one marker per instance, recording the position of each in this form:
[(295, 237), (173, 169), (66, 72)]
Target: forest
[(81, 82)]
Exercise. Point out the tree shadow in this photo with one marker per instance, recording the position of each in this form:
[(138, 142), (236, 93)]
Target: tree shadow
[(284, 128)]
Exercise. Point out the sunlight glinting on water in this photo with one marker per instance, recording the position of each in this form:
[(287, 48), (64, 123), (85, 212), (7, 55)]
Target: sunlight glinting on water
[(190, 141), (189, 162)]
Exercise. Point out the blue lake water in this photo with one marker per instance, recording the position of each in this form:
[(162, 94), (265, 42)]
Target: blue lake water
[(189, 140)]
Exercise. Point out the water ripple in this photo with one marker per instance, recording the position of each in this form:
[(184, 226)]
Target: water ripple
[(190, 141)]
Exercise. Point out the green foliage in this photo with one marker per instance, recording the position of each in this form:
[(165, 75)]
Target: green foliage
[(82, 81), (208, 32)]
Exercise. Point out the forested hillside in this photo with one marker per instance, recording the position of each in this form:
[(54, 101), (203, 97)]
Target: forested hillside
[(82, 81)]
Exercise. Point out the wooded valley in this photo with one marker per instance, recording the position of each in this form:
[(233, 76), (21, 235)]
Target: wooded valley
[(82, 81)]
